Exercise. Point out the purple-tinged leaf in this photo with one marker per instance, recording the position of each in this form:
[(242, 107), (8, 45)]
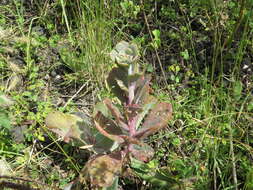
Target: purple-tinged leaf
[(142, 90), (108, 128), (147, 106), (142, 152), (157, 119), (116, 114), (132, 111), (102, 170), (131, 140)]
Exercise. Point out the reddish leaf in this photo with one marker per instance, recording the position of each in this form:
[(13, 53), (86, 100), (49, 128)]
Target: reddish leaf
[(116, 113), (142, 152), (148, 105), (142, 90), (102, 170), (131, 140), (156, 120), (108, 128)]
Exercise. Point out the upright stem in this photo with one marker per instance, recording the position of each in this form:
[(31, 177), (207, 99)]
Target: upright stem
[(131, 85), (131, 93), (131, 126)]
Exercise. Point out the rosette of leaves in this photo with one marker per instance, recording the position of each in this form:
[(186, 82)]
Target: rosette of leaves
[(116, 132)]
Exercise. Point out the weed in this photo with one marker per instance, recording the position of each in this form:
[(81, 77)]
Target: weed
[(124, 129)]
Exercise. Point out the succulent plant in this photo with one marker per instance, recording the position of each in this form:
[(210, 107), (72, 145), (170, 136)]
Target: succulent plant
[(116, 132)]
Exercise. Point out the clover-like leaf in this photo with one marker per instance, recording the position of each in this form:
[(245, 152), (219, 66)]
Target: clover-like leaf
[(142, 152), (103, 169), (124, 53), (156, 120)]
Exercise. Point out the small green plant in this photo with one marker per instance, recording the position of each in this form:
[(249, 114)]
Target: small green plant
[(117, 131)]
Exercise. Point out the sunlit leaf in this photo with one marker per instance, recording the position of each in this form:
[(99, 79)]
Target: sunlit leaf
[(124, 53), (122, 85), (15, 82), (157, 119), (101, 107), (5, 168), (103, 169), (5, 101), (70, 127)]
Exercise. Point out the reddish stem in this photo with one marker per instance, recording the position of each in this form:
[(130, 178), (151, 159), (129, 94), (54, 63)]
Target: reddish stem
[(131, 126)]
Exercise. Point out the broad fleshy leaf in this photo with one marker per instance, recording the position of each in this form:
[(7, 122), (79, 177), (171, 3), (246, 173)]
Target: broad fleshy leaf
[(156, 120), (108, 128), (142, 90), (116, 114), (103, 169), (124, 53), (101, 107), (142, 152), (118, 74), (70, 127), (151, 101)]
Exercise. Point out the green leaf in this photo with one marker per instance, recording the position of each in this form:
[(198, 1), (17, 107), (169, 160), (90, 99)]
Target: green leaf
[(118, 74), (77, 129), (157, 40), (115, 184), (124, 53), (185, 54), (102, 170), (155, 120), (101, 107), (237, 89), (15, 81), (4, 121), (158, 177), (70, 127), (5, 101)]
